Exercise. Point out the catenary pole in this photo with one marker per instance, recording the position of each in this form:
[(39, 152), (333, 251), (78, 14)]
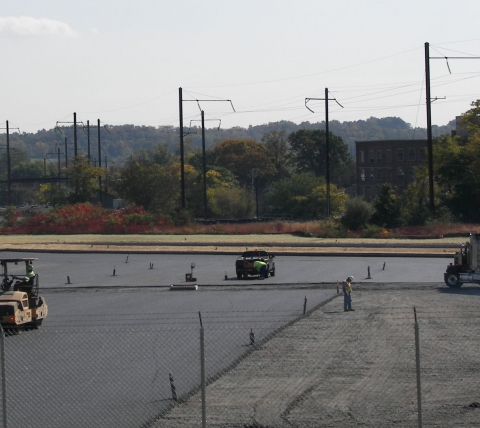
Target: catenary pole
[(204, 167), (9, 169), (327, 142), (429, 128), (75, 141), (327, 155), (99, 158), (88, 140), (182, 160)]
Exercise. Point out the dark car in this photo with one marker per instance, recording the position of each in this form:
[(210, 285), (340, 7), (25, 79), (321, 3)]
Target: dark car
[(244, 263)]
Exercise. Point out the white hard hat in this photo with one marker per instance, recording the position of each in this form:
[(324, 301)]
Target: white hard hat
[(350, 278)]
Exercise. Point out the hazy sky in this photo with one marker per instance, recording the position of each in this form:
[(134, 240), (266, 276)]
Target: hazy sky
[(123, 61)]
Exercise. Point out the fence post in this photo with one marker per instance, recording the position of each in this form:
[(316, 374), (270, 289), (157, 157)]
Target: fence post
[(417, 358), (4, 377), (172, 387), (202, 372)]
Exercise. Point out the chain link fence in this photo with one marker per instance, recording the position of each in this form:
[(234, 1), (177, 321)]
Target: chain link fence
[(324, 368)]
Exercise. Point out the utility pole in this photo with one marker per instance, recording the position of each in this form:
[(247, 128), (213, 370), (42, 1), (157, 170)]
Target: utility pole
[(327, 144), (99, 160), (9, 169), (429, 101), (182, 154), (75, 140), (66, 153), (429, 129), (59, 169), (327, 141), (182, 158), (88, 140), (9, 165), (204, 157), (75, 146)]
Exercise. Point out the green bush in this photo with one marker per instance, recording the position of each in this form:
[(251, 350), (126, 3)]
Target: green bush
[(357, 214)]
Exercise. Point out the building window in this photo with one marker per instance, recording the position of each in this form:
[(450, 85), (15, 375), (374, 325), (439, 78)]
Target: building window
[(362, 156), (423, 154), (400, 173), (389, 155), (379, 156), (372, 175), (372, 155), (411, 175), (400, 155), (361, 191), (389, 175), (411, 154), (362, 175), (379, 175)]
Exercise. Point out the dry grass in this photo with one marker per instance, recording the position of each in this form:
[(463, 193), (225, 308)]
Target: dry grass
[(199, 238)]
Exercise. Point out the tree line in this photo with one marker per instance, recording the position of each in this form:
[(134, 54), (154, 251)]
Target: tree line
[(120, 142), (280, 174)]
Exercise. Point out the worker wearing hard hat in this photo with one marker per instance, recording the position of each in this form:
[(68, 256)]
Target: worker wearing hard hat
[(347, 294)]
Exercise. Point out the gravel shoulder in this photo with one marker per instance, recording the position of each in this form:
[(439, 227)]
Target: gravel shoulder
[(338, 369)]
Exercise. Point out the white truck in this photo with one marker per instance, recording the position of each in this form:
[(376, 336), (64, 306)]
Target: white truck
[(466, 264)]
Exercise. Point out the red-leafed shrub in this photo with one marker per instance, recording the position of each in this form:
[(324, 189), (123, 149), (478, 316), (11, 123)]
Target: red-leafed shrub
[(87, 218)]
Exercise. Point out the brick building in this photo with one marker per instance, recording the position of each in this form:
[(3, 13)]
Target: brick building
[(389, 161)]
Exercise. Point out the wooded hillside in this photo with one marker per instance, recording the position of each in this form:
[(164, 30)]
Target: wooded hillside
[(120, 142)]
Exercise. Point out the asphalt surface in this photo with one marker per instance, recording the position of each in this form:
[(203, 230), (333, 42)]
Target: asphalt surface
[(96, 270), (110, 341)]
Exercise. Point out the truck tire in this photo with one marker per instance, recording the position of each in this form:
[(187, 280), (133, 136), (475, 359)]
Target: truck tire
[(239, 275), (452, 280)]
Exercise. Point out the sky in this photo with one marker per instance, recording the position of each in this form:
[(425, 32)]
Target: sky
[(249, 62)]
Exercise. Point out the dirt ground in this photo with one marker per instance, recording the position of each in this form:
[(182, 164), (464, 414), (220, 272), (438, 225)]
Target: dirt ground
[(356, 369)]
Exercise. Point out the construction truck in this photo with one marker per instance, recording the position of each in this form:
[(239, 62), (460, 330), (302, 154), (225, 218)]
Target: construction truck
[(21, 306), (244, 265), (466, 264)]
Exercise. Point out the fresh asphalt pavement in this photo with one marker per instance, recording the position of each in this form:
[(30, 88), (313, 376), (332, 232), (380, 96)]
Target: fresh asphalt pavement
[(97, 269), (133, 322)]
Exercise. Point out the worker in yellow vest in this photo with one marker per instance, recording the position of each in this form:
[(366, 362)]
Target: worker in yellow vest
[(347, 294), (261, 268)]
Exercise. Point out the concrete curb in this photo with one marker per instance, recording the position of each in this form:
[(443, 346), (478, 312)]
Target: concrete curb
[(233, 253)]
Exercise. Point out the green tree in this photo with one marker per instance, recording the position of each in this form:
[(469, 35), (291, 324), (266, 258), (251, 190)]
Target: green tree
[(161, 155), (414, 200), (278, 151), (226, 202), (387, 208), (82, 178), (304, 196), (309, 154), (471, 118), (357, 214), (53, 194), (149, 185), (241, 157)]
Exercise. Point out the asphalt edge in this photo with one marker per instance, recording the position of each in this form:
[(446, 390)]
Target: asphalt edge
[(252, 348), (231, 253)]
